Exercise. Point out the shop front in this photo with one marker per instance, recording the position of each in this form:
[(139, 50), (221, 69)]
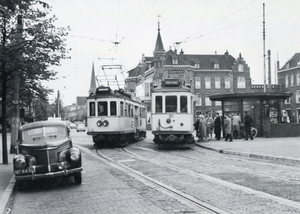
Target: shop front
[(264, 108)]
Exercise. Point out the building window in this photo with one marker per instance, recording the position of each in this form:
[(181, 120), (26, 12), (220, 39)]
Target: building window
[(287, 101), (286, 81), (147, 89), (207, 83), (292, 80), (298, 79), (207, 101), (197, 65), (241, 83), (197, 83), (218, 103), (199, 100), (227, 82), (216, 66), (217, 82), (240, 68), (175, 61), (298, 96)]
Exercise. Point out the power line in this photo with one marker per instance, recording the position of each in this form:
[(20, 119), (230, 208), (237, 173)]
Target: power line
[(190, 39)]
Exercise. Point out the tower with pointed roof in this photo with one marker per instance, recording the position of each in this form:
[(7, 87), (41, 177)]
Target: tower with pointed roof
[(93, 87), (159, 54)]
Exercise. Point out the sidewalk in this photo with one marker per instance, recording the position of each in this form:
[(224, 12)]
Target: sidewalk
[(7, 180), (280, 149)]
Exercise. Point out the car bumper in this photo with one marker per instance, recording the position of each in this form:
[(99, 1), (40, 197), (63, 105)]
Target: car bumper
[(34, 176)]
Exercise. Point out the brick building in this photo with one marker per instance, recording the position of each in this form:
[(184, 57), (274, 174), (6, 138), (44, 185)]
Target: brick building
[(289, 79)]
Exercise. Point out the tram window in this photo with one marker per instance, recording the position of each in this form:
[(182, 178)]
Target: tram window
[(102, 108), (92, 109), (171, 103), (143, 113), (113, 108), (158, 104), (122, 109), (183, 104), (125, 110)]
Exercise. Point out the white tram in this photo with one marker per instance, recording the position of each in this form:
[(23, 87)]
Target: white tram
[(115, 117), (172, 115)]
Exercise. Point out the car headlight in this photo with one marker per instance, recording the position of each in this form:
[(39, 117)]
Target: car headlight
[(20, 162), (74, 154)]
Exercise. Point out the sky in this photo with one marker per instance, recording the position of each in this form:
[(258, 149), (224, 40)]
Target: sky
[(119, 32)]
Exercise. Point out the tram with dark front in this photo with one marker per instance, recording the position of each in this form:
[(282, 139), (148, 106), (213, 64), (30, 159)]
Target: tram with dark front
[(115, 118), (172, 115)]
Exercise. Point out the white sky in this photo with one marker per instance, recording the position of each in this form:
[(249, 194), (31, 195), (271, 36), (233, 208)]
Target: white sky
[(203, 27)]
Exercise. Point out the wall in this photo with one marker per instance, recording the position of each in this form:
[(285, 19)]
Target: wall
[(285, 130)]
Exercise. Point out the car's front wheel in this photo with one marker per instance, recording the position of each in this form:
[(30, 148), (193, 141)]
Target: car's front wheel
[(78, 178)]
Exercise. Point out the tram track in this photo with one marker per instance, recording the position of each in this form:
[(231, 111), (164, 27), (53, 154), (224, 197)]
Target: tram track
[(218, 181), (233, 167), (190, 201)]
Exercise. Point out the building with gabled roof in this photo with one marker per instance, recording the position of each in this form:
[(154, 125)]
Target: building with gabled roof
[(289, 79), (220, 83)]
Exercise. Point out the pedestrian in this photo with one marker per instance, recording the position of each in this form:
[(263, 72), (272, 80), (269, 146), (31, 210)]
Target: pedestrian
[(228, 128), (236, 123), (203, 128), (248, 125), (197, 126), (218, 126), (210, 126)]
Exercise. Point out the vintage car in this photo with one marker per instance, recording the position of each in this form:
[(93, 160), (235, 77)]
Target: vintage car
[(80, 127), (45, 150)]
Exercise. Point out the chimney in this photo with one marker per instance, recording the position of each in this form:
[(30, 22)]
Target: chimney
[(181, 52)]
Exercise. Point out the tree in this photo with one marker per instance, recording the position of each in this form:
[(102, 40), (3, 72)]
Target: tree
[(30, 44)]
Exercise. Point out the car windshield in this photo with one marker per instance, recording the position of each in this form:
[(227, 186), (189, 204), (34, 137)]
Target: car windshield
[(43, 134)]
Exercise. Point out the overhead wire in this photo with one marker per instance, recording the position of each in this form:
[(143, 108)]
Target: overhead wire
[(189, 37)]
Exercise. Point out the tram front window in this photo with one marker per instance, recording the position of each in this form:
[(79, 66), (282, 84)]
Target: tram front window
[(102, 108), (183, 104), (113, 108), (171, 103), (158, 104)]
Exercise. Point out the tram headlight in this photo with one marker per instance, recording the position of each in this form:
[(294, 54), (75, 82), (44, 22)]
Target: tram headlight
[(99, 123), (168, 120), (105, 123)]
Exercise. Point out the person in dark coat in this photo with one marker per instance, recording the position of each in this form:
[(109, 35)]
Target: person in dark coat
[(248, 125), (217, 126), (197, 126)]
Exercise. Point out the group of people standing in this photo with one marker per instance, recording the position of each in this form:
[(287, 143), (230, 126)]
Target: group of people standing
[(206, 126)]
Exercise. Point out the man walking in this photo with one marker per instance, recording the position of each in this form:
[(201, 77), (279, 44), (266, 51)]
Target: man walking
[(228, 128), (217, 126), (236, 121), (248, 125)]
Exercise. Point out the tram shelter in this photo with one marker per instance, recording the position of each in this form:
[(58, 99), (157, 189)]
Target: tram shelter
[(264, 108)]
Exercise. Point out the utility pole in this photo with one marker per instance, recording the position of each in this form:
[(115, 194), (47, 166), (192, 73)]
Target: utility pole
[(58, 103), (264, 44), (15, 122)]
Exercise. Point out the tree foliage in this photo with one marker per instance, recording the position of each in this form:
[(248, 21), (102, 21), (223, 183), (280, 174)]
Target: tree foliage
[(30, 44)]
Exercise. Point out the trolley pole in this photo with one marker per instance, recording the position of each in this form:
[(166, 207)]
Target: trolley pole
[(15, 119)]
